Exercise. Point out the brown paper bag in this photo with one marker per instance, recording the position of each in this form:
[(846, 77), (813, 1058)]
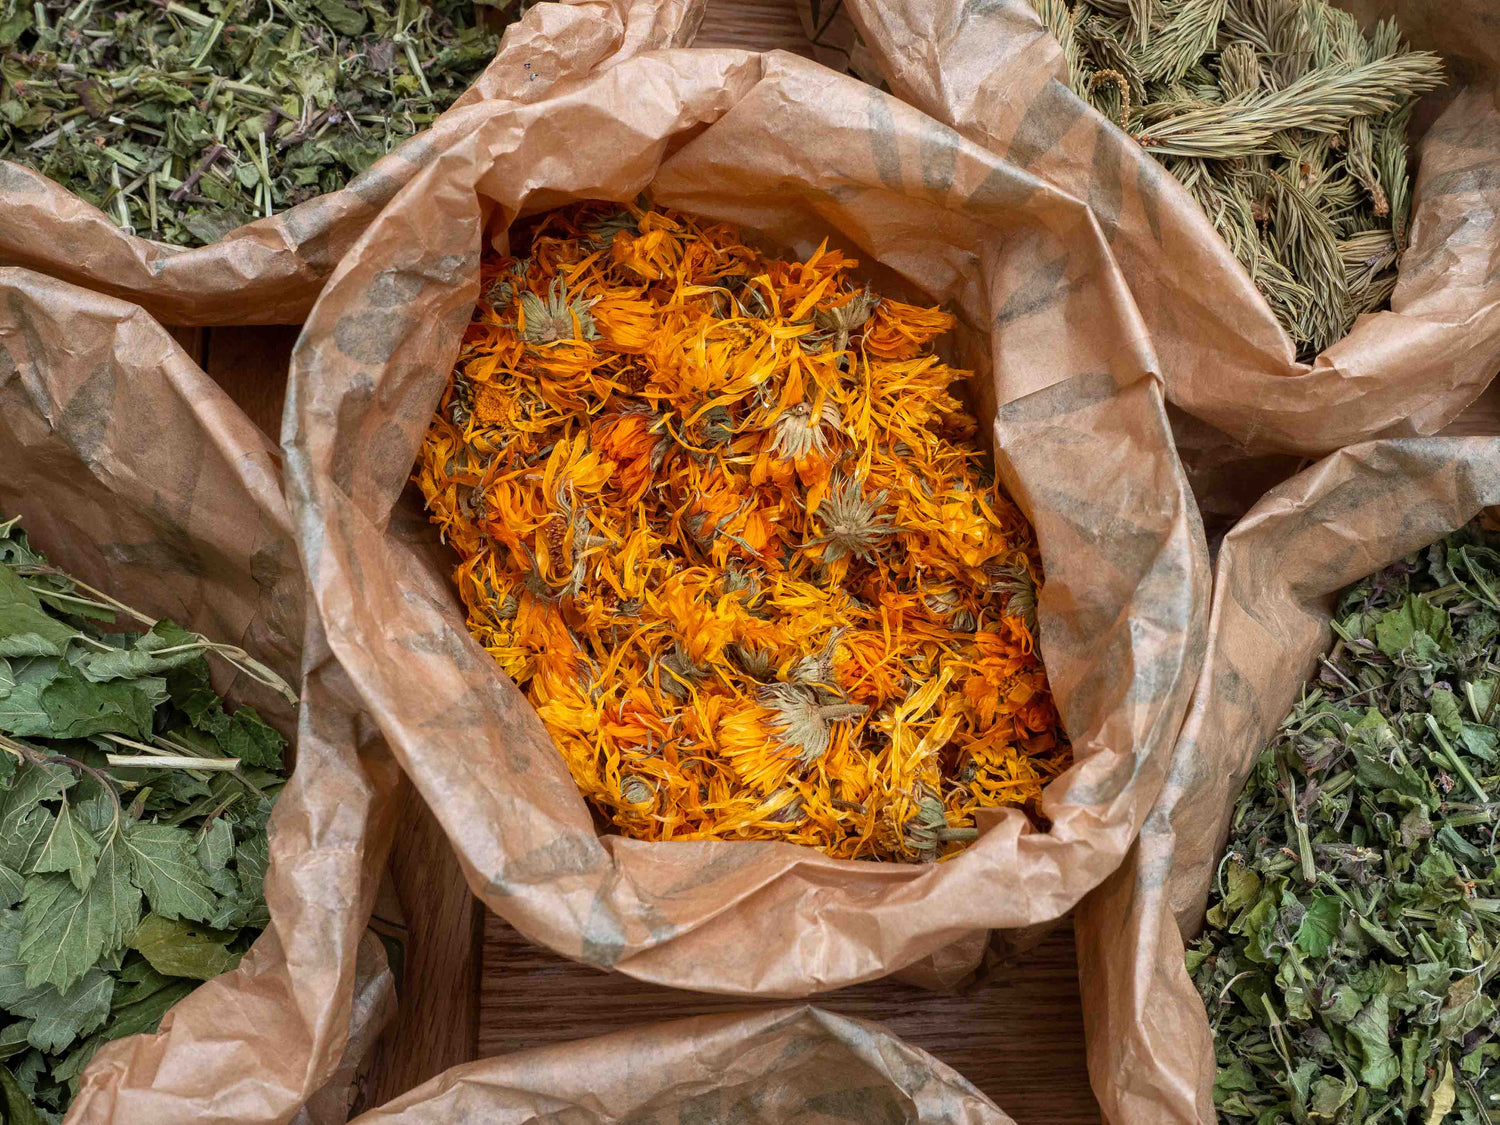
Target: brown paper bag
[(1150, 1052), (132, 470), (270, 271), (787, 148), (993, 72), (789, 1066)]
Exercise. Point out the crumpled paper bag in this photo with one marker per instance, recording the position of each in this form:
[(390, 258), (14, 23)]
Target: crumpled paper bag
[(131, 469), (270, 271), (789, 1066), (994, 72), (798, 153), (1150, 1049)]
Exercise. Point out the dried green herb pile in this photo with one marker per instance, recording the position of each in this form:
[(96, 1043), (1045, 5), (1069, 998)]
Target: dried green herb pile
[(1350, 958), (183, 119), (1283, 120), (132, 825)]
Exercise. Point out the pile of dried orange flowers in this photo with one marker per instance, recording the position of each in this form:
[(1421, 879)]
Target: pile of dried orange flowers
[(722, 519)]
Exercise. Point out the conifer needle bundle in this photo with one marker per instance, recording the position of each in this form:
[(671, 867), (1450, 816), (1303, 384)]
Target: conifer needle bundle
[(1285, 122), (725, 521)]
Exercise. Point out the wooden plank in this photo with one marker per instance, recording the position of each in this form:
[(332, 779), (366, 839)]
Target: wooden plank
[(1018, 1036), (753, 25), (251, 364), (437, 1018), (1480, 419)]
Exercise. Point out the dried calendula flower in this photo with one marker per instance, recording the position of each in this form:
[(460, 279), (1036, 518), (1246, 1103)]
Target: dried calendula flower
[(725, 521), (853, 523)]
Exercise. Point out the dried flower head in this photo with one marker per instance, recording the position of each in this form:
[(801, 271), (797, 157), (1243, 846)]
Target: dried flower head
[(758, 663), (799, 430), (740, 578), (803, 723), (843, 320), (552, 318), (853, 523), (926, 830)]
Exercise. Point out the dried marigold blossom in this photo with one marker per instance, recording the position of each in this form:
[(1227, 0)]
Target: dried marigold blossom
[(724, 520)]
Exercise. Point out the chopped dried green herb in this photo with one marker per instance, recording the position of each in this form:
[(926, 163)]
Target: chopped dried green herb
[(1352, 945), (1283, 120), (133, 814), (183, 119)]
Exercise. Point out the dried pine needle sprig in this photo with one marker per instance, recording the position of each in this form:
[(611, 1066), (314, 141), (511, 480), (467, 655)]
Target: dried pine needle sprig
[(1285, 122), (724, 520)]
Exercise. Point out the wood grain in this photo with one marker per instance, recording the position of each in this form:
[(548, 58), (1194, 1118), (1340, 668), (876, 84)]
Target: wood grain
[(1018, 1037), (754, 25), (1481, 419), (251, 364), (437, 1018)]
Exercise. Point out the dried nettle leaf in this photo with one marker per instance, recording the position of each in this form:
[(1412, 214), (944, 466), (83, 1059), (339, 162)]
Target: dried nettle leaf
[(185, 119), (132, 824), (1283, 120), (1349, 961)]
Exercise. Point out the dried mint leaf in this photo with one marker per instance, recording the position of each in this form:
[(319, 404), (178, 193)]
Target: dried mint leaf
[(1351, 949), (184, 121), (177, 949)]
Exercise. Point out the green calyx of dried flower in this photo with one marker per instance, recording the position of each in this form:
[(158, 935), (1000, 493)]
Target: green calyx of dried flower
[(852, 523), (847, 318), (498, 294), (637, 790), (1018, 586), (816, 671), (790, 813), (554, 318), (677, 672), (804, 725), (603, 232), (927, 829), (800, 430), (758, 663)]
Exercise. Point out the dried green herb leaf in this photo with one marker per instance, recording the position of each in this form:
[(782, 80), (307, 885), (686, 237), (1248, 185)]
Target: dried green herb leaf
[(25, 628), (177, 949), (58, 1018), (164, 864), (185, 125), (78, 709), (67, 929), (18, 1107), (85, 854), (70, 848), (1349, 964), (216, 846)]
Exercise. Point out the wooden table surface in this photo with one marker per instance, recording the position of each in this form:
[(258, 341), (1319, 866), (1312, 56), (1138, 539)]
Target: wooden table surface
[(1018, 1037)]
